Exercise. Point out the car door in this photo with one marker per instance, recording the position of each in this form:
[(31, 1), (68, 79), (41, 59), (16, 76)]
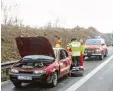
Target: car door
[(68, 62), (62, 62)]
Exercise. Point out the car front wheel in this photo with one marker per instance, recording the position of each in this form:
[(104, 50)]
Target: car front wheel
[(17, 84), (54, 79), (101, 57)]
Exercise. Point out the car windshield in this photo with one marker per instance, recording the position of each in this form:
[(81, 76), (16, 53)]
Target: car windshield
[(38, 57), (93, 42)]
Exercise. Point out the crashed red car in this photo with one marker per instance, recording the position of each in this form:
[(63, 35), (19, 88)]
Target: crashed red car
[(40, 62)]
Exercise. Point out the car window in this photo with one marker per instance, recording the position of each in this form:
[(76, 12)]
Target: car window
[(62, 55), (66, 54), (103, 42)]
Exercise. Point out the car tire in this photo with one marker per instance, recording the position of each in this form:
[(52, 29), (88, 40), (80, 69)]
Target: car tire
[(17, 84), (101, 57), (54, 79), (106, 54), (77, 74)]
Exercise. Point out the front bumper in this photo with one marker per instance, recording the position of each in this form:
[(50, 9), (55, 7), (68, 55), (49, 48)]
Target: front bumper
[(34, 78), (92, 54)]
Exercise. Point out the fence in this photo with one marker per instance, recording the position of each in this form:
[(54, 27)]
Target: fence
[(5, 70)]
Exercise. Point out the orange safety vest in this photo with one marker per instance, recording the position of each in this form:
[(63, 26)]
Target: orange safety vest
[(58, 44)]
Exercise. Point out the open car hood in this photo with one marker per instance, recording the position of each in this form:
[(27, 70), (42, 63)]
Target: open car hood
[(34, 46)]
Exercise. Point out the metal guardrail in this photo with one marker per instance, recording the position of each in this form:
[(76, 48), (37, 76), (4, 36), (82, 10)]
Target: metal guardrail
[(5, 69), (8, 64)]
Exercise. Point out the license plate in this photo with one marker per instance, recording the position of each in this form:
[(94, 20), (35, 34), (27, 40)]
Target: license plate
[(24, 78)]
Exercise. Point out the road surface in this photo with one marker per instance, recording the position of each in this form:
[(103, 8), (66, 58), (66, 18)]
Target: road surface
[(102, 80)]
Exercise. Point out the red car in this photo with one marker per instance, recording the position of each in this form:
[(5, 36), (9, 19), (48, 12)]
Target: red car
[(96, 47), (40, 62)]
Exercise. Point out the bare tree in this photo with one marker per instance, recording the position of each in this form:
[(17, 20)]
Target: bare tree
[(56, 24), (49, 25), (92, 28), (7, 18)]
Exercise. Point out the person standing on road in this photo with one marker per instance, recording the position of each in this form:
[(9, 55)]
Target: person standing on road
[(76, 51), (59, 43), (82, 54), (69, 50)]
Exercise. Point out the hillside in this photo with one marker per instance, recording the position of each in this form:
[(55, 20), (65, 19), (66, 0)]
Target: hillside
[(8, 34)]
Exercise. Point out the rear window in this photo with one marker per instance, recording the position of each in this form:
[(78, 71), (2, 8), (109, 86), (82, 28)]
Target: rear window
[(93, 42)]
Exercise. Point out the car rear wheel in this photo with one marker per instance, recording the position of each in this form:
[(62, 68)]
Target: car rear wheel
[(78, 73), (54, 79), (17, 84)]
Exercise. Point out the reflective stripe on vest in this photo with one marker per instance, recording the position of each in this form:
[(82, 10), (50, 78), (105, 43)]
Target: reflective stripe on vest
[(76, 54), (75, 44)]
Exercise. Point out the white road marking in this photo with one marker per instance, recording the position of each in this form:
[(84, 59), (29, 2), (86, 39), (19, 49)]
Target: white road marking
[(75, 86)]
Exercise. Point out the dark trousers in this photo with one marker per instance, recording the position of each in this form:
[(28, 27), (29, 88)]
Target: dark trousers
[(76, 61)]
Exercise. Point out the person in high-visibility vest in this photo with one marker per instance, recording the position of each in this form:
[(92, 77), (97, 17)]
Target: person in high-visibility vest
[(69, 50), (59, 43), (76, 51), (82, 54)]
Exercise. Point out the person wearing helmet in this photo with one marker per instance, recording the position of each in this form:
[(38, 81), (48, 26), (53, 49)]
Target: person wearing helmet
[(59, 43), (76, 51)]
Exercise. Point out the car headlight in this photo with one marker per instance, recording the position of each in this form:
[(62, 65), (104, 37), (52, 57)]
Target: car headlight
[(39, 72), (97, 50), (14, 71)]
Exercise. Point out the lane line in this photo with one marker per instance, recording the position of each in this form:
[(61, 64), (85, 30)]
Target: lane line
[(75, 86)]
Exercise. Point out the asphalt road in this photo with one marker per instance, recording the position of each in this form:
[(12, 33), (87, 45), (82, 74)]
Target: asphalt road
[(101, 81)]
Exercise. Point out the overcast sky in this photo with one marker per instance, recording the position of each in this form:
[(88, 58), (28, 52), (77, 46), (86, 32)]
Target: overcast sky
[(70, 13)]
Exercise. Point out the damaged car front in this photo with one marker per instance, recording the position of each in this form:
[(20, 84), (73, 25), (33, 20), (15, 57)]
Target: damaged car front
[(36, 62)]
